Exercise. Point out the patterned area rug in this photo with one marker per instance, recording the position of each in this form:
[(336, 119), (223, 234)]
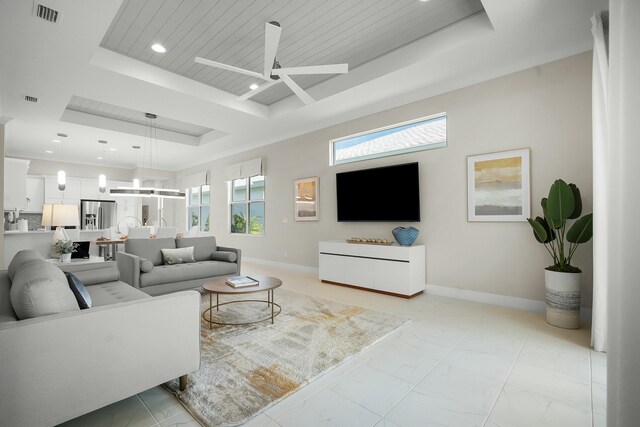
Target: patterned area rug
[(246, 369)]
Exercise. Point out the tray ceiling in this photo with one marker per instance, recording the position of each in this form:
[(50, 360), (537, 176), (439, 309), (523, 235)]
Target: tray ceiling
[(100, 52), (314, 32), (109, 111)]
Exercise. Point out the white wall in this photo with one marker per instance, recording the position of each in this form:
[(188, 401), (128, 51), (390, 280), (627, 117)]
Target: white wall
[(546, 108), (624, 230)]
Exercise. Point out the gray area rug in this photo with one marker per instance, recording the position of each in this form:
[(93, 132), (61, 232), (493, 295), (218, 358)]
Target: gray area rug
[(246, 369)]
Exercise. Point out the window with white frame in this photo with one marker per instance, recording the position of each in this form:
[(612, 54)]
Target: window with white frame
[(415, 135), (247, 205), (199, 207)]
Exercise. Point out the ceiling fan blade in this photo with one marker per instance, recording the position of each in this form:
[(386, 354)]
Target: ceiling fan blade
[(211, 63), (257, 90), (304, 96), (313, 69), (271, 41)]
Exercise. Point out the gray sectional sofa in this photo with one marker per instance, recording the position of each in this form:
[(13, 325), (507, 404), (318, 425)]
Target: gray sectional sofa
[(58, 362), (142, 264)]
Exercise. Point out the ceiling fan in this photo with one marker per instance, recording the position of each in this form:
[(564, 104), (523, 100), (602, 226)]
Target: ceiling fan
[(273, 73)]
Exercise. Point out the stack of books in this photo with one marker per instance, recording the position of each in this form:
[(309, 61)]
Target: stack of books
[(241, 281)]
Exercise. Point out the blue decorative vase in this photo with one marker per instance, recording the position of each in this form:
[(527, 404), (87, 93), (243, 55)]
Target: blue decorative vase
[(405, 236)]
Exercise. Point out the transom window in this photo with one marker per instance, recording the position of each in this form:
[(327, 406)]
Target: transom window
[(198, 207), (247, 202), (415, 135)]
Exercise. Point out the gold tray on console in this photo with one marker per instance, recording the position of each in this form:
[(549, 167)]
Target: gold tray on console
[(370, 243)]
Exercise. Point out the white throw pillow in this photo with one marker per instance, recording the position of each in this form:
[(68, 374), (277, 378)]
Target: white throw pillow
[(178, 256)]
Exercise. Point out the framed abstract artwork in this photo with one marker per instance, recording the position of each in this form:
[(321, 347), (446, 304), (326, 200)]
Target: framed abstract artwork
[(306, 198), (498, 186)]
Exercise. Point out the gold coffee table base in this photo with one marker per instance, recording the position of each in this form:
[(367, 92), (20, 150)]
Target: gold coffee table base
[(218, 286), (211, 322)]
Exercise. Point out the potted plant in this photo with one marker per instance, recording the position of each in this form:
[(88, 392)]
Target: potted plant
[(562, 280), (64, 248)]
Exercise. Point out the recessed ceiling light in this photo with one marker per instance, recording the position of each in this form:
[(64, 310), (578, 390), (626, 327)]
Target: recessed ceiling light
[(112, 149), (102, 141), (99, 158), (157, 47), (135, 147), (62, 135), (48, 151), (253, 86), (55, 140)]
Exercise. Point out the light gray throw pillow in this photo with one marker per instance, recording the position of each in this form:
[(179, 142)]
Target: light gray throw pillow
[(178, 256), (224, 256), (19, 259), (39, 288)]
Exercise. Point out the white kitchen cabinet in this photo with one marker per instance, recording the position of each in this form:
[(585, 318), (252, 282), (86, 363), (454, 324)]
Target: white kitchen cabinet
[(395, 270), (35, 194), (15, 183), (61, 201), (89, 190)]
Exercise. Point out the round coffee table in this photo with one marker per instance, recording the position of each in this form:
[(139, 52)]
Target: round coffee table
[(219, 286)]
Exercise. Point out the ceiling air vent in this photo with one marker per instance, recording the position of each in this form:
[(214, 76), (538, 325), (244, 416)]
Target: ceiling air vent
[(46, 13), (30, 98)]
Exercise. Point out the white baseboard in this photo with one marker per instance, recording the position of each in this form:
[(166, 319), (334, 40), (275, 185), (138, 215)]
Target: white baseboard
[(487, 298), (495, 299), (445, 291), (296, 267)]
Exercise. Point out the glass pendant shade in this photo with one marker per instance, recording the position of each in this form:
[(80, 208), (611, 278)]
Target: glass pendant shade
[(102, 183), (62, 180)]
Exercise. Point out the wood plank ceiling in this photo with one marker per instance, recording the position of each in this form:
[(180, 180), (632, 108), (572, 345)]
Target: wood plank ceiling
[(313, 33)]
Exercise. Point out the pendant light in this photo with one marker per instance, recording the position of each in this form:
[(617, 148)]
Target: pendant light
[(137, 191), (102, 178), (136, 181), (62, 180), (62, 176), (102, 182)]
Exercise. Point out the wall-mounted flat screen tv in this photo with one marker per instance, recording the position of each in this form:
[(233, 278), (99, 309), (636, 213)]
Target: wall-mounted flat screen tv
[(390, 193)]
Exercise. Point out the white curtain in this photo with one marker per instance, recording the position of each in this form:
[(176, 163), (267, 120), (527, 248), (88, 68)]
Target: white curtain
[(194, 180), (600, 182), (244, 169)]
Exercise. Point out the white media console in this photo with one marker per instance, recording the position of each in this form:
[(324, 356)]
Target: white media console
[(393, 269)]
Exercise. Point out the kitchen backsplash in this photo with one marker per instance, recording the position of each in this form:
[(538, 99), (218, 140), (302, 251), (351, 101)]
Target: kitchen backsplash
[(35, 221)]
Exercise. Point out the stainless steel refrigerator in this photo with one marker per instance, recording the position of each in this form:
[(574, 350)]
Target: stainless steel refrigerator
[(97, 214)]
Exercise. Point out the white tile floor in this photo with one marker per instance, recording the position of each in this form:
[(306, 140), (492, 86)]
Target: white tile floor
[(457, 363)]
